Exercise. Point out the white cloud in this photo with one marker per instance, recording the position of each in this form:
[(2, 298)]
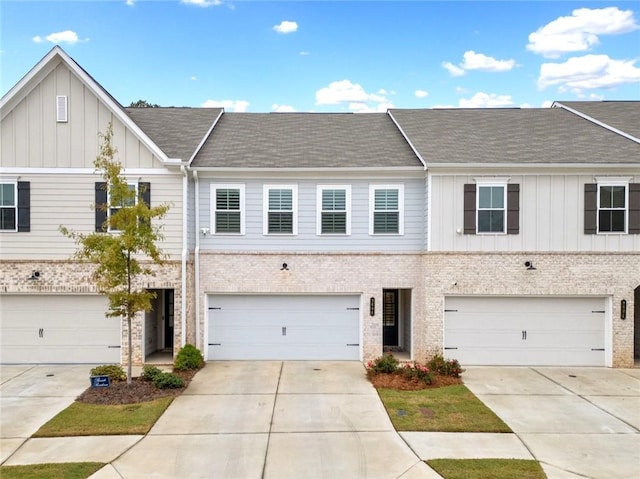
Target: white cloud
[(304, 54), (69, 37), (203, 3), (579, 32), (344, 92), (233, 105), (282, 108), (486, 100), (588, 72), (453, 70), (130, 3), (546, 104), (479, 61), (421, 93), (194, 78), (286, 26)]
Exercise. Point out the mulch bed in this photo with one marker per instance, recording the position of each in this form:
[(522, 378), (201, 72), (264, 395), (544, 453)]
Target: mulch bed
[(138, 391), (400, 382)]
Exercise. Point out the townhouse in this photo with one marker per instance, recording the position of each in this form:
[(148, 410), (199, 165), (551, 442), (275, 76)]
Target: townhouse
[(497, 236)]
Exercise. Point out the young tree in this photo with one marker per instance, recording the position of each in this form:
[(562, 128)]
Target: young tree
[(129, 236)]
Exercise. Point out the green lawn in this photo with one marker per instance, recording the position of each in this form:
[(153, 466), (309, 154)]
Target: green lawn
[(81, 419), (446, 409), (487, 468), (71, 470)]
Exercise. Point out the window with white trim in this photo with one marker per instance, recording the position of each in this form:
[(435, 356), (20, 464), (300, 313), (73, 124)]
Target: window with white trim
[(334, 210), (492, 208), (8, 206), (115, 206), (227, 209), (386, 209), (612, 207), (280, 203)]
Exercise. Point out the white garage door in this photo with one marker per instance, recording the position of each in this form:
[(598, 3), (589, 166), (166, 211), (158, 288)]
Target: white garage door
[(283, 327), (514, 331), (58, 329)]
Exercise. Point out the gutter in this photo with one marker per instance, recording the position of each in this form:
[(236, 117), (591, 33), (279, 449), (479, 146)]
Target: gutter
[(197, 257), (185, 250)]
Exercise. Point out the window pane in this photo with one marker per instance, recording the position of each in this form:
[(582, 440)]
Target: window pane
[(334, 200), (491, 197), (491, 221), (385, 222), (617, 221), (386, 200), (280, 222), (227, 199), (484, 221), (280, 200), (617, 196), (334, 223), (7, 218), (484, 197), (605, 197), (7, 195), (227, 222)]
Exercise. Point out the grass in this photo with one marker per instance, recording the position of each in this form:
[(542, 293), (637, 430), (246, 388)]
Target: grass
[(81, 419), (487, 468), (446, 409), (70, 470)]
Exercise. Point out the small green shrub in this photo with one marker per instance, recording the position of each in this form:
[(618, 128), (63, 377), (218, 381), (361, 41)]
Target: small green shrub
[(114, 371), (189, 357), (445, 367), (384, 364), (168, 381), (150, 373), (417, 372)]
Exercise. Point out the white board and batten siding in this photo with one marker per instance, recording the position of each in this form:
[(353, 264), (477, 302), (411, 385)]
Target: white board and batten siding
[(551, 216), (527, 331), (63, 329), (283, 327)]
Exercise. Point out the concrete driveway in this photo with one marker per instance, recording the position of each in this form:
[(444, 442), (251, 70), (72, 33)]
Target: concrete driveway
[(577, 422)]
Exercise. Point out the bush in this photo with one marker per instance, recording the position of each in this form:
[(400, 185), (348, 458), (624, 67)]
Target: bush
[(150, 373), (168, 381), (384, 364), (189, 357), (114, 371), (445, 367), (417, 372)]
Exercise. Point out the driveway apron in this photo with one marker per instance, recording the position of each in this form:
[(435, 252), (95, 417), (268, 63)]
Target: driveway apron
[(274, 420)]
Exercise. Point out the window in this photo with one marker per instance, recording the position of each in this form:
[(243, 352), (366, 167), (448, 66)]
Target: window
[(15, 206), (491, 206), (106, 207), (334, 203), (612, 208), (491, 209), (115, 206), (387, 203), (280, 204), (228, 209)]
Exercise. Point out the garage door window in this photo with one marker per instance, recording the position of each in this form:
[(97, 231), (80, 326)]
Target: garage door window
[(228, 209), (280, 215)]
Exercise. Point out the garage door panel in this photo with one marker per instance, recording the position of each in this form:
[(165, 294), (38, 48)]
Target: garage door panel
[(283, 327), (525, 331)]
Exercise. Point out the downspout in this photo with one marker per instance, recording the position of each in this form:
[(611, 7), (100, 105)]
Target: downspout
[(185, 252), (197, 256)]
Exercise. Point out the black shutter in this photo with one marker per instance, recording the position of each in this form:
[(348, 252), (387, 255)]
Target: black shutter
[(513, 209), (24, 206), (470, 209), (100, 202), (634, 209), (590, 208)]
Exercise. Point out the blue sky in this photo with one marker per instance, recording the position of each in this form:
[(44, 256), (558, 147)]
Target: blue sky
[(360, 56)]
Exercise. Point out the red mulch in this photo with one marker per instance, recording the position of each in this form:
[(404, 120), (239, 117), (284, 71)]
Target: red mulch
[(138, 391), (400, 382)]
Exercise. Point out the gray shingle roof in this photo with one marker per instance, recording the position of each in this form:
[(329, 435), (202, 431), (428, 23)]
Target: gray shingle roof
[(176, 131), (501, 136), (622, 115), (305, 140)]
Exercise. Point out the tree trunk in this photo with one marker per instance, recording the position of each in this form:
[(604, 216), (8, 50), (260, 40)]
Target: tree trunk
[(129, 352)]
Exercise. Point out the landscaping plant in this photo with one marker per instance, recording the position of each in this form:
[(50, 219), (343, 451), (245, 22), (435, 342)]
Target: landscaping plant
[(114, 371), (189, 357), (445, 367)]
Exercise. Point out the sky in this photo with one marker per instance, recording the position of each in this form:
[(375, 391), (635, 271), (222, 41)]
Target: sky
[(334, 56)]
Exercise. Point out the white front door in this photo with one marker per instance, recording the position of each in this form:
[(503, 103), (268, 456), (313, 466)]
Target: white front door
[(283, 327), (541, 331)]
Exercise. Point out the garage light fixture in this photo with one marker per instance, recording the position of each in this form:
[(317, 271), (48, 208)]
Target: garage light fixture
[(34, 276), (529, 265), (285, 267)]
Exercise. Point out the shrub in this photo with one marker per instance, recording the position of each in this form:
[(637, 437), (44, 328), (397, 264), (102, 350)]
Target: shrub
[(445, 367), (114, 371), (417, 372), (167, 381), (384, 364), (189, 357), (150, 373)]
